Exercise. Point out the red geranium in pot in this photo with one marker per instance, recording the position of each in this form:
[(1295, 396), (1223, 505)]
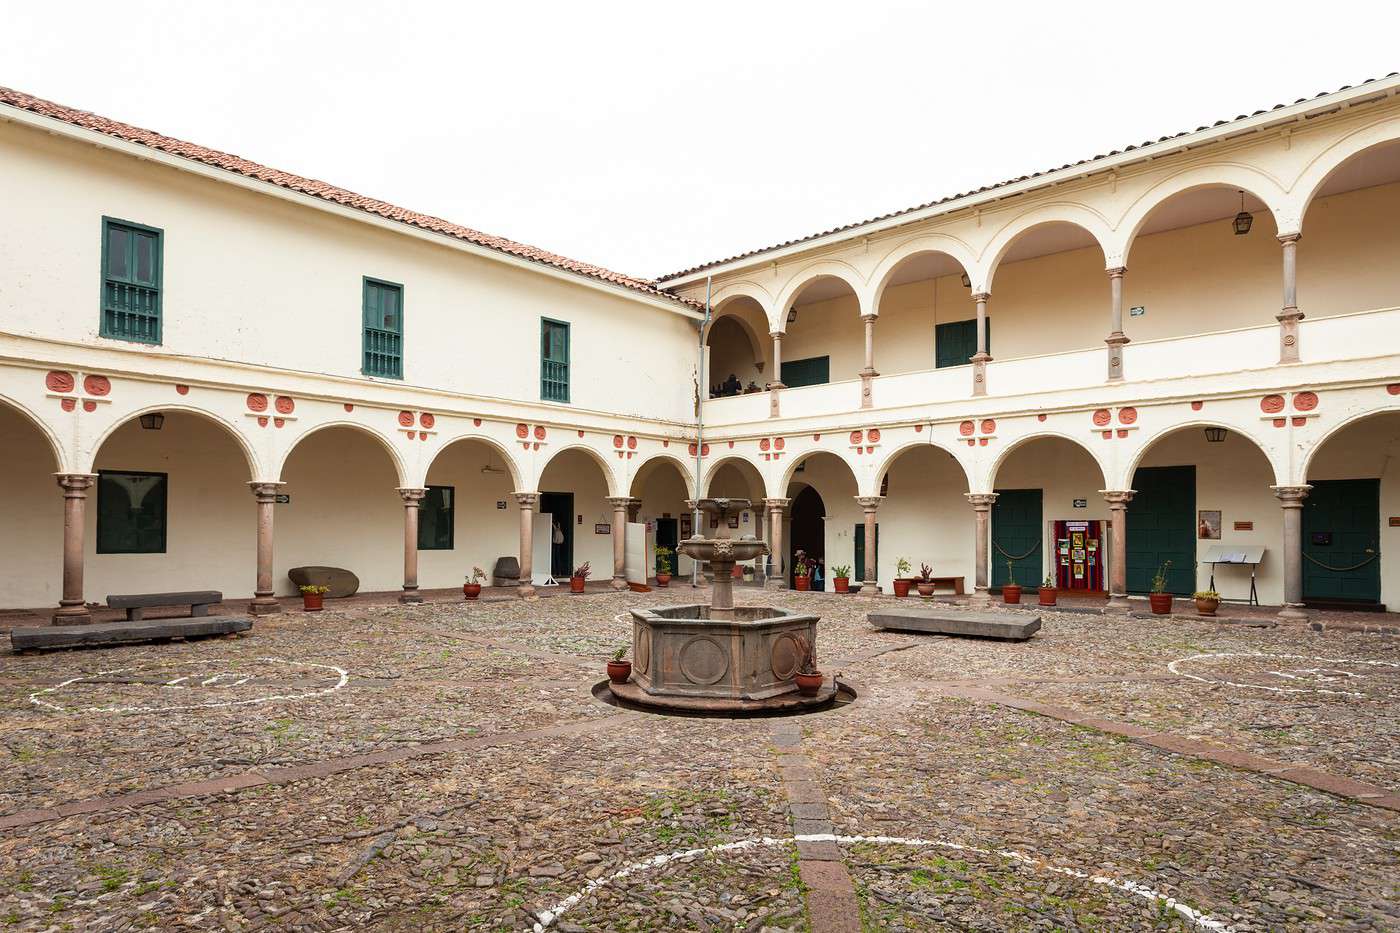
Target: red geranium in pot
[(579, 577), (472, 588), (802, 574), (312, 596)]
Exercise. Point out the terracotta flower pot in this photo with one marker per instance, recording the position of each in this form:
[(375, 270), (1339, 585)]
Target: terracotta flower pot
[(576, 584), (619, 672), (809, 684), (737, 573), (901, 588), (1011, 594), (803, 583), (663, 579), (1048, 595), (925, 589), (311, 602), (1207, 607), (842, 584), (471, 590), (1161, 603)]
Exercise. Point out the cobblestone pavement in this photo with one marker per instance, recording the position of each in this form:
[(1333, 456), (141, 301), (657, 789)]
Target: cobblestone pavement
[(446, 767)]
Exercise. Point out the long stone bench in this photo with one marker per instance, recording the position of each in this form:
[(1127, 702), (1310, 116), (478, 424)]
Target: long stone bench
[(934, 621), (136, 604), (35, 637)]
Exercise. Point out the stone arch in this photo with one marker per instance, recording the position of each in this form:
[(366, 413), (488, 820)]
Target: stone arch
[(750, 470), (60, 457), (883, 470), (1064, 212), (249, 456), (512, 467), (742, 289), (1234, 175), (990, 480), (1317, 172), (610, 477), (791, 471), (1309, 453), (400, 472), (656, 460), (1123, 480), (952, 247), (829, 268), (739, 312)]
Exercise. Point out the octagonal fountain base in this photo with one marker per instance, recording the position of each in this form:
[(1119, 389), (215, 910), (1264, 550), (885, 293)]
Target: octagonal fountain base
[(630, 694)]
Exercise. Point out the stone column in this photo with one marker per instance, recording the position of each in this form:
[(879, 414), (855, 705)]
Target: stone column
[(868, 374), (526, 501), (868, 584), (1116, 338), (1291, 498), (982, 508), (776, 507), (412, 500), (981, 358), (264, 603), (72, 609), (1118, 500), (620, 506), (1289, 317), (776, 385)]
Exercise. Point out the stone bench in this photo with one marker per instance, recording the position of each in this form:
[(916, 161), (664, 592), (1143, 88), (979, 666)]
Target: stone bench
[(37, 637), (926, 619), (135, 604)]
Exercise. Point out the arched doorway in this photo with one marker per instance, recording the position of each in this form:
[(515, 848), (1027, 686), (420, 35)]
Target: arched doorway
[(737, 342), (808, 537), (823, 335), (823, 512), (1049, 295), (659, 491), (32, 545), (574, 492), (736, 478), (468, 518), (924, 517), (924, 289)]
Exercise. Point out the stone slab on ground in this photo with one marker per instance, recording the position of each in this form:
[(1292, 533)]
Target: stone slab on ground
[(342, 582), (111, 633), (1002, 625)]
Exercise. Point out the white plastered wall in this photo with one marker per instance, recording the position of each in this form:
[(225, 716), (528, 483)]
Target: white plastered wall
[(31, 515), (835, 483), (662, 492), (925, 518), (576, 472), (481, 531)]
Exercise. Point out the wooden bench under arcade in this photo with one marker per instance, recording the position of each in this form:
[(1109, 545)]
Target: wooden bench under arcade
[(136, 604)]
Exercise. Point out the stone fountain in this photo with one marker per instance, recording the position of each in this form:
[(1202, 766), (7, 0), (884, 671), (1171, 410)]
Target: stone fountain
[(718, 657)]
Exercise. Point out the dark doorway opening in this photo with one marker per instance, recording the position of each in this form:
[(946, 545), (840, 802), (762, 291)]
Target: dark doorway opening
[(667, 537), (560, 505), (808, 531)]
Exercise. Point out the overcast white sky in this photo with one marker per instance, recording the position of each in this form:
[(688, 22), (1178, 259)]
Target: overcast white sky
[(649, 137)]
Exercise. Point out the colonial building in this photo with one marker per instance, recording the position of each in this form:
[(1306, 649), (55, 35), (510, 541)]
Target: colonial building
[(1184, 351)]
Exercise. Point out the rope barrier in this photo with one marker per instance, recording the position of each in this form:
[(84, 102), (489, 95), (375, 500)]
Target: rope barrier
[(1016, 558), (1309, 557)]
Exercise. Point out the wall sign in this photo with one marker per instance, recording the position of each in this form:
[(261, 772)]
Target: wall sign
[(500, 503), (284, 498), (1081, 503), (1244, 526), (1395, 521), (1139, 311), (602, 529)]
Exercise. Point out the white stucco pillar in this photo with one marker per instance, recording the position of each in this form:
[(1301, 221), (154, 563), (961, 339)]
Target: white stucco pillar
[(1118, 500), (72, 609), (868, 584), (777, 579), (264, 603), (775, 387), (526, 501), (1289, 317), (868, 374), (1116, 338), (412, 501), (982, 509), (620, 505), (981, 358), (1291, 498)]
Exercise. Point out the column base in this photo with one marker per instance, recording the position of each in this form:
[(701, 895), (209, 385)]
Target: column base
[(409, 598), (74, 615), (264, 606), (1118, 606), (619, 583), (869, 588), (980, 599), (525, 591), (1293, 612)]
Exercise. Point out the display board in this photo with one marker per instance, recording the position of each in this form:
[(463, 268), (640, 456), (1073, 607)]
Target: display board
[(542, 550), (638, 556)]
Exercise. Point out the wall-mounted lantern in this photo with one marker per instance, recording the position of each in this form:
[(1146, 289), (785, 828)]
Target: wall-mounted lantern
[(1243, 220), (152, 421), (1215, 435)]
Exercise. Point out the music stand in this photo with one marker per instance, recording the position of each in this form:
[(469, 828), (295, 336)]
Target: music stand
[(1252, 555)]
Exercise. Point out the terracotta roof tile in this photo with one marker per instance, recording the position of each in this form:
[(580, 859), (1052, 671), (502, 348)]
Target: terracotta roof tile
[(323, 190)]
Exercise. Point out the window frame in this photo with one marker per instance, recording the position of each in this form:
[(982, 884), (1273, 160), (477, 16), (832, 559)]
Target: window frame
[(965, 322), (365, 282), (165, 516), (792, 365), (568, 364), (451, 523), (159, 276)]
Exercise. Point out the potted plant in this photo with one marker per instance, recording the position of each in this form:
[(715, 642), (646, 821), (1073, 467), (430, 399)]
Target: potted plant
[(472, 588), (1048, 592), (312, 596), (579, 577), (1207, 601), (1160, 599), (1011, 591), (901, 578), (619, 671), (663, 565), (748, 573), (802, 574), (925, 581), (841, 578), (808, 677)]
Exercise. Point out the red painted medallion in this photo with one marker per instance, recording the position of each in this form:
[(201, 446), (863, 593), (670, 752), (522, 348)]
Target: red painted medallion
[(59, 381), (1102, 417), (1305, 401), (97, 385), (1270, 404), (285, 405), (966, 428), (1127, 415), (427, 419), (257, 402)]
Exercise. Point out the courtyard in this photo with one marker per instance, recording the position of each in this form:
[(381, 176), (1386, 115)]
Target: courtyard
[(447, 766)]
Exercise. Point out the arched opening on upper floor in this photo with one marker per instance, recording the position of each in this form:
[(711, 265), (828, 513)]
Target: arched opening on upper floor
[(574, 490), (32, 504), (822, 514), (739, 348), (468, 518), (924, 518), (659, 492), (926, 314), (1347, 256), (1049, 294), (823, 335)]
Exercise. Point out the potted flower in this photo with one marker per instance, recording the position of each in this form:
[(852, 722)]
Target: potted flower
[(841, 578), (901, 578), (1160, 599), (1207, 601), (663, 565), (1011, 591), (472, 588), (312, 596), (802, 574), (619, 671), (579, 577), (925, 581), (1048, 591), (748, 573), (808, 677)]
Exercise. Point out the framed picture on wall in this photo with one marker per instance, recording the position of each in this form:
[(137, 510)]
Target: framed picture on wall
[(733, 521), (1208, 527), (685, 526), (602, 528)]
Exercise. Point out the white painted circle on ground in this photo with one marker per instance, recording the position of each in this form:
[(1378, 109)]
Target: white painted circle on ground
[(1201, 920), (193, 683), (1292, 673)]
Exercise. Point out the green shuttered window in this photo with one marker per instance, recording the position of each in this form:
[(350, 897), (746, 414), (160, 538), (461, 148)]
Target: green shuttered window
[(383, 335), (130, 512), (131, 276), (554, 360), (956, 342), (435, 519), (813, 371)]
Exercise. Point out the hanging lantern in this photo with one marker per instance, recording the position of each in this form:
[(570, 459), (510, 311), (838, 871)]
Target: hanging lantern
[(966, 280), (1215, 435), (152, 421), (1243, 220)]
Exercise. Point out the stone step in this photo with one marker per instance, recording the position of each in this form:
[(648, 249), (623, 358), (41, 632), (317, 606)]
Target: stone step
[(34, 637)]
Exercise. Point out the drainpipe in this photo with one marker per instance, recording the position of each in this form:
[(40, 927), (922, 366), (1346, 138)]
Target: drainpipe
[(701, 388)]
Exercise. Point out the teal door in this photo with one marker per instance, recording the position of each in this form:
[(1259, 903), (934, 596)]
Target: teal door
[(814, 371), (1162, 527), (1018, 533), (1341, 541), (858, 569)]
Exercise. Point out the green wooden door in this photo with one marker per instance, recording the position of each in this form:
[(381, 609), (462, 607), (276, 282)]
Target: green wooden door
[(1162, 527), (858, 568), (1018, 535), (1341, 540)]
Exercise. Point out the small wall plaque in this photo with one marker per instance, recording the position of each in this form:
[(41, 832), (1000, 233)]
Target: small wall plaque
[(1244, 526), (1081, 503), (1395, 521), (1138, 311), (283, 498), (500, 503), (602, 528)]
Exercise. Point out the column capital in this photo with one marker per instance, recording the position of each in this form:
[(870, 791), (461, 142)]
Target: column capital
[(411, 496), (981, 296), (1289, 239), (870, 503), (981, 500), (1291, 496), (1118, 498), (776, 334), (265, 492), (1117, 339), (75, 485), (870, 317), (526, 500), (777, 505), (623, 502), (1116, 272)]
